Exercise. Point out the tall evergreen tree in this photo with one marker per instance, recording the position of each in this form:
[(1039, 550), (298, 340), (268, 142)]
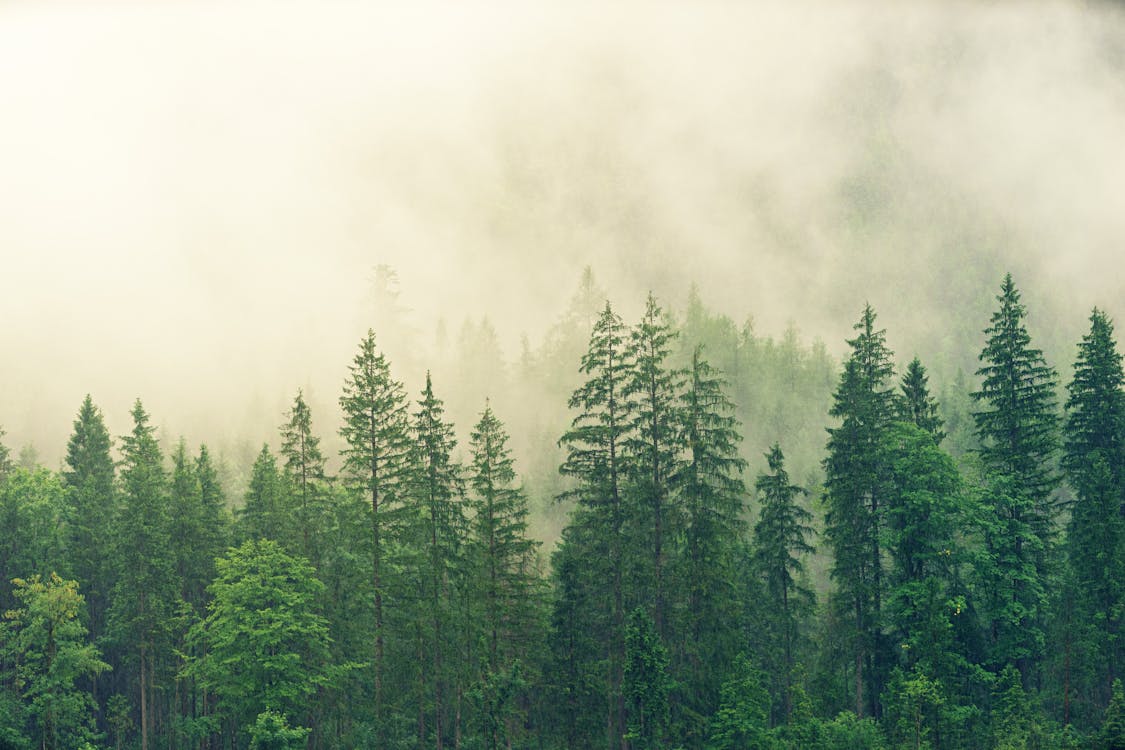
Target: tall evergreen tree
[(1017, 428), (375, 463), (595, 446), (304, 470), (1094, 460), (505, 574), (263, 512), (856, 492), (780, 544), (712, 494), (145, 595), (436, 491), (918, 406), (89, 477)]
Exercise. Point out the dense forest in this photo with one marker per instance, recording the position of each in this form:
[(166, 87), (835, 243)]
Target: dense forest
[(910, 567)]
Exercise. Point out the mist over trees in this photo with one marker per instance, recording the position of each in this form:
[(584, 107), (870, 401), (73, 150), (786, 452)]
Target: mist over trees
[(719, 540)]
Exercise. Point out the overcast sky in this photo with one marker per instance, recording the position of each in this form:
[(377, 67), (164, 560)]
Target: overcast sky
[(193, 196)]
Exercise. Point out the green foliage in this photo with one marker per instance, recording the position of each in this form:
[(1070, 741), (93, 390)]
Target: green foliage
[(47, 641), (304, 471), (32, 509), (780, 546), (646, 682), (918, 406), (1017, 429), (271, 731), (263, 644), (1113, 726), (263, 514), (742, 721), (856, 493)]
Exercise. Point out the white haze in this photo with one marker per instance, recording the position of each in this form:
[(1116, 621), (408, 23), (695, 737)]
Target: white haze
[(194, 196)]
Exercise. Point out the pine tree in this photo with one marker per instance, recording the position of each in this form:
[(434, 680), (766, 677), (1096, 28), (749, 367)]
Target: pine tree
[(436, 492), (653, 393), (375, 462), (263, 512), (1016, 426), (505, 572), (1094, 460), (712, 494), (5, 458), (145, 595), (89, 477), (856, 491), (780, 543), (595, 446), (918, 406), (304, 470)]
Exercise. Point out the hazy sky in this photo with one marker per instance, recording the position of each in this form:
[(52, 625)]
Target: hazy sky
[(193, 196)]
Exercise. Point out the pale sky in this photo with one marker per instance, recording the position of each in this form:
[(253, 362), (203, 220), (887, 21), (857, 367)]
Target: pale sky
[(193, 195)]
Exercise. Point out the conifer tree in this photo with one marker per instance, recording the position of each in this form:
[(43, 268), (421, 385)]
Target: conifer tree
[(436, 492), (263, 511), (145, 595), (712, 494), (595, 460), (780, 544), (89, 476), (375, 463), (856, 492), (653, 393), (1094, 460), (918, 406), (304, 469), (505, 574), (1016, 425), (5, 457)]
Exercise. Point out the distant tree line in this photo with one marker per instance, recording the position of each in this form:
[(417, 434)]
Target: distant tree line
[(905, 595)]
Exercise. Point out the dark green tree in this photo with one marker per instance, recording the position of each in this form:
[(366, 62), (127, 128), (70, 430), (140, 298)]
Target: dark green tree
[(918, 406), (780, 546), (263, 512), (304, 469), (646, 683), (856, 491), (436, 494), (89, 477), (1017, 429), (146, 594), (1094, 460), (653, 392), (506, 582), (376, 459), (595, 461)]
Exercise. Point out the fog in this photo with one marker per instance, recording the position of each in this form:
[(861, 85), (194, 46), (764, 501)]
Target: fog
[(194, 197)]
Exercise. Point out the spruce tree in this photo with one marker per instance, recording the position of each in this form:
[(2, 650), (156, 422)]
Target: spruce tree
[(506, 578), (1094, 460), (436, 493), (145, 595), (856, 491), (375, 462), (595, 460), (712, 494), (89, 477), (653, 392), (1017, 429), (304, 469), (263, 511), (918, 406), (780, 544)]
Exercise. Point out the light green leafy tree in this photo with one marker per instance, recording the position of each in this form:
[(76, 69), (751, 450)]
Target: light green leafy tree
[(263, 644), (48, 643)]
